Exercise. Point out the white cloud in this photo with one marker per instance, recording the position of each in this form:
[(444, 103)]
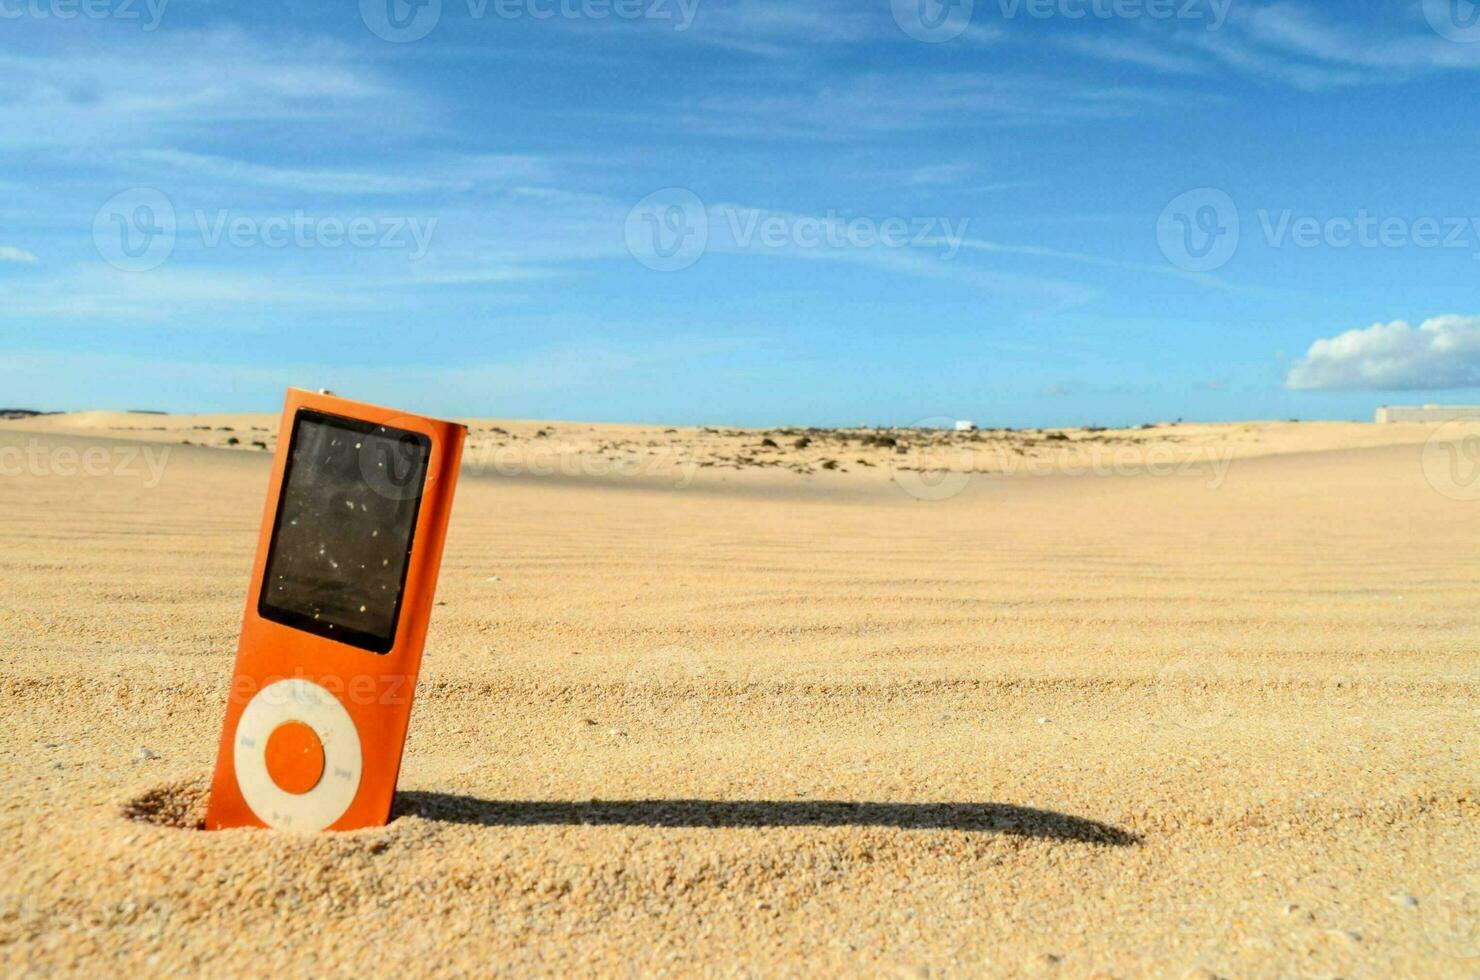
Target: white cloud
[(9, 253), (1443, 352)]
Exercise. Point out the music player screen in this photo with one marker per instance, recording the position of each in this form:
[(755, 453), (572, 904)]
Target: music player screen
[(337, 563)]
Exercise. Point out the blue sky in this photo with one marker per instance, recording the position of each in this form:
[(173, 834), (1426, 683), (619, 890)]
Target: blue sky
[(695, 211)]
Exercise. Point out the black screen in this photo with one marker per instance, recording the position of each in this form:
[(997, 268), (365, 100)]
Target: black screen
[(337, 563)]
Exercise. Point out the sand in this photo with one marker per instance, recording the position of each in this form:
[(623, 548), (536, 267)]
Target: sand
[(1115, 713)]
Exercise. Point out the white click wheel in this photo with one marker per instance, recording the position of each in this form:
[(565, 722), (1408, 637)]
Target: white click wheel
[(297, 756)]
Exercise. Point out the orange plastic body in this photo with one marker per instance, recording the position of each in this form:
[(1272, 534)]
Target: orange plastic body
[(376, 689)]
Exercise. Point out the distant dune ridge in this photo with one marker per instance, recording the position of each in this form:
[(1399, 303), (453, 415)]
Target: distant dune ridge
[(677, 456), (1191, 700)]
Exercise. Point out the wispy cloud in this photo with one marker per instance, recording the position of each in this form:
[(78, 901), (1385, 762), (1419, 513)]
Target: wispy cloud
[(175, 293), (734, 230), (1087, 259), (462, 174), (776, 29), (876, 105), (9, 253), (781, 29), (79, 380), (1296, 30), (146, 89), (940, 174), (483, 275), (1238, 54), (1286, 44), (1140, 52)]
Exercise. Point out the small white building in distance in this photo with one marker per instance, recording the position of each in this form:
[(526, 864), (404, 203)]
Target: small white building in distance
[(965, 425), (1428, 413)]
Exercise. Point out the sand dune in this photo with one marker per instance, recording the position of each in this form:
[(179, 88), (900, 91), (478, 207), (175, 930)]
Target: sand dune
[(911, 458), (1087, 718)]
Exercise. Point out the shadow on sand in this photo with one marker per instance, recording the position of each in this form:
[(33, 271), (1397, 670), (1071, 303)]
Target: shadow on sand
[(995, 818)]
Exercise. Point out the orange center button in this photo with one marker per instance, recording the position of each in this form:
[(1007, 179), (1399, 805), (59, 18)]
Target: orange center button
[(295, 757)]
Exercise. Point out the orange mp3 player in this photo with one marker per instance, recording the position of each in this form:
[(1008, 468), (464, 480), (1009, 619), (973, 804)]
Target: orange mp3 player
[(336, 617)]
